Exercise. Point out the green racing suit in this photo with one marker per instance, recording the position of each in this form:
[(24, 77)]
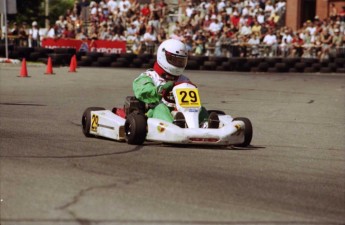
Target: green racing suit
[(147, 87)]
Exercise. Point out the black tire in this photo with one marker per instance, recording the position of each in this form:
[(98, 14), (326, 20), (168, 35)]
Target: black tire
[(326, 70), (248, 132), (24, 52), (43, 51), (324, 62), (137, 62), (220, 68), (290, 62), (254, 69), (316, 66), (309, 61), (118, 64), (79, 55), (145, 57), (292, 70), (71, 51), (104, 60), (86, 120), (34, 56), (122, 60), (14, 54), (218, 59), (210, 64), (128, 56), (263, 67), (300, 67), (281, 67), (43, 60), (340, 70), (135, 128), (340, 62), (199, 59), (192, 65), (309, 70), (146, 65), (272, 70), (254, 62), (245, 67), (272, 61), (96, 64)]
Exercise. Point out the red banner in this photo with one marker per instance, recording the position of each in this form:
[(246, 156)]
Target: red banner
[(104, 46)]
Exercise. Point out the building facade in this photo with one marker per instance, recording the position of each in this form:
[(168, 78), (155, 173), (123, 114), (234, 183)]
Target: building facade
[(299, 11)]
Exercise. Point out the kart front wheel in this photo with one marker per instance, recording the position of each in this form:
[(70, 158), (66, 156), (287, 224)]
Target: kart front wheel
[(248, 131), (86, 120), (135, 128)]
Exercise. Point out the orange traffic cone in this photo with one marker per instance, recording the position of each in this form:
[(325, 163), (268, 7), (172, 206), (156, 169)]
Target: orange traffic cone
[(49, 66), (23, 71), (73, 64)]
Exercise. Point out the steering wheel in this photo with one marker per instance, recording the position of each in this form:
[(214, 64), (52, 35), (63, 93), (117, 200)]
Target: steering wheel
[(168, 96)]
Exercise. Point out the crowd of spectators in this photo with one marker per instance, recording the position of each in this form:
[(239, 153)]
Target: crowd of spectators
[(248, 28)]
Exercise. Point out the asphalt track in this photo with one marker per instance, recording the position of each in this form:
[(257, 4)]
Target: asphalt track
[(294, 172)]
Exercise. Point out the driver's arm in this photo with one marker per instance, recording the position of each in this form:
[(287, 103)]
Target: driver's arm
[(145, 90)]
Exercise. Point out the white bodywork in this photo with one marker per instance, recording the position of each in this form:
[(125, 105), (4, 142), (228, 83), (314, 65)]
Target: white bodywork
[(230, 132)]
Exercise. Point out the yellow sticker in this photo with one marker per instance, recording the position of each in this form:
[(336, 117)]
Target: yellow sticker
[(188, 97), (94, 122)]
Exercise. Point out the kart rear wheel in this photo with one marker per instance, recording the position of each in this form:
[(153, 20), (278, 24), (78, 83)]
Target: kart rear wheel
[(86, 120), (135, 128), (248, 131)]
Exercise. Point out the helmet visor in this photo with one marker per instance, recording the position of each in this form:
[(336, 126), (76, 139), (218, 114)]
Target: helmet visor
[(176, 60)]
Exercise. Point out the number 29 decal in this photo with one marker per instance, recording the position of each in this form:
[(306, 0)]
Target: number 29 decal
[(188, 97), (94, 122)]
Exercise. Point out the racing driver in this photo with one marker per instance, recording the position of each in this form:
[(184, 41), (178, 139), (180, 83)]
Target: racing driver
[(152, 84)]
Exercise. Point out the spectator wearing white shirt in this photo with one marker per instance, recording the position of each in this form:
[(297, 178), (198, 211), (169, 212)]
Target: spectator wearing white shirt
[(286, 41), (280, 5), (51, 32), (311, 28), (254, 43), (221, 5), (124, 5), (94, 8), (245, 30), (246, 10), (270, 40), (269, 9), (119, 36), (112, 4), (215, 26), (34, 36), (149, 39), (177, 34), (189, 10), (261, 17), (131, 30), (253, 3)]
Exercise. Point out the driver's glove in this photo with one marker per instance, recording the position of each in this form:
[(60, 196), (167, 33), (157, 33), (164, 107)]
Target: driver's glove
[(165, 88)]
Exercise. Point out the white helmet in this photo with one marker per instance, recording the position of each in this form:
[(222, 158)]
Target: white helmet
[(172, 56)]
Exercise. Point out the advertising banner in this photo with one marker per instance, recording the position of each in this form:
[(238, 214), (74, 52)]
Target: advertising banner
[(103, 46)]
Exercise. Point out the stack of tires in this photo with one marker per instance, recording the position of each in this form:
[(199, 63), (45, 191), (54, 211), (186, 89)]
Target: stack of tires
[(62, 57)]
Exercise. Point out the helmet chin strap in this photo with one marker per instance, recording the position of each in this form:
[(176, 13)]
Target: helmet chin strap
[(161, 72)]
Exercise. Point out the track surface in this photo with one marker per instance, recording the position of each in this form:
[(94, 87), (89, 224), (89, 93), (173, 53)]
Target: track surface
[(294, 172)]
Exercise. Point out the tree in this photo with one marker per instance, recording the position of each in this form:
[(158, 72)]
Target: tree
[(34, 10)]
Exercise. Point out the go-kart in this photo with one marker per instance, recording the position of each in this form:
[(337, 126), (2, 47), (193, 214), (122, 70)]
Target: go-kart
[(130, 123)]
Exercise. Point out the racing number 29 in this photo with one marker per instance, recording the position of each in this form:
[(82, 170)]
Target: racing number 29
[(190, 95), (94, 122)]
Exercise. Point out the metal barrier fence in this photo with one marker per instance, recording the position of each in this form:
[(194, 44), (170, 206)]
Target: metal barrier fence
[(229, 49)]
